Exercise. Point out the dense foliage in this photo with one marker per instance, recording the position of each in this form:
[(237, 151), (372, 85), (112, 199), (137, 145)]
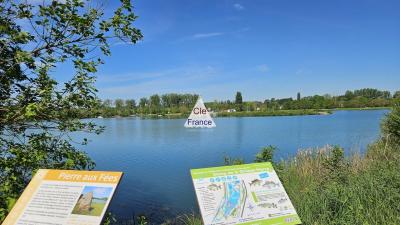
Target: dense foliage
[(367, 97), (37, 113), (239, 101), (155, 104), (391, 126)]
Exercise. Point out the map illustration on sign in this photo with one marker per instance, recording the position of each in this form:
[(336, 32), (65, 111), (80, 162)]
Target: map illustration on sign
[(242, 194), (199, 117), (233, 201)]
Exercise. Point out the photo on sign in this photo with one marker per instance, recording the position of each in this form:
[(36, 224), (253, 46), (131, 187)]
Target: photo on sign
[(92, 201)]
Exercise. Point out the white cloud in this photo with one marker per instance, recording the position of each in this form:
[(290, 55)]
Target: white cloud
[(118, 43), (199, 36), (206, 35), (171, 80), (263, 68), (211, 81), (238, 6)]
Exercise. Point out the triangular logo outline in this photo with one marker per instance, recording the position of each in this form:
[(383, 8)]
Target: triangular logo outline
[(199, 117)]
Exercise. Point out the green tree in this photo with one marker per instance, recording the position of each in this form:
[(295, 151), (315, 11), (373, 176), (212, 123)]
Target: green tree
[(36, 112), (130, 103), (119, 103), (396, 94), (391, 125), (107, 103), (239, 101), (155, 103), (334, 163), (386, 94), (143, 103), (349, 95), (266, 154)]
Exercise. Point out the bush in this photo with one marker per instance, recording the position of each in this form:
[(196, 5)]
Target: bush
[(266, 154), (391, 125)]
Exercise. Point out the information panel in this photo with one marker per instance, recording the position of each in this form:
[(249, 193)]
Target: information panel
[(55, 197), (242, 194)]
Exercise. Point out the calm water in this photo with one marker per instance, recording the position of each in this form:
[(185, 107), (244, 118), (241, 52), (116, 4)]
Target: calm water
[(156, 155)]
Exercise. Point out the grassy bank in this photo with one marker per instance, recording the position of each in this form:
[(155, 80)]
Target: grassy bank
[(281, 112), (362, 108), (164, 116), (326, 187), (294, 112)]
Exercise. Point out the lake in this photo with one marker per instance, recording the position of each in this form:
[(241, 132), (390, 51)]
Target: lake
[(156, 155)]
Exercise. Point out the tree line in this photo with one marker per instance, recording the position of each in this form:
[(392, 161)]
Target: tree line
[(362, 98), (174, 103), (155, 104)]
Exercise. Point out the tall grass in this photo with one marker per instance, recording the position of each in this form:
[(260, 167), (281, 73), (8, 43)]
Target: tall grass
[(329, 189)]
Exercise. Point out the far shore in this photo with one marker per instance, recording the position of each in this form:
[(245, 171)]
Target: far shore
[(365, 108), (297, 112)]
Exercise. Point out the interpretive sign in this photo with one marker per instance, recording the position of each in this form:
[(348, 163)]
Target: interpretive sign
[(199, 117), (72, 197), (242, 194)]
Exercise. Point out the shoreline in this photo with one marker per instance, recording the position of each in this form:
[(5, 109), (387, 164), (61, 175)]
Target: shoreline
[(362, 109), (283, 112)]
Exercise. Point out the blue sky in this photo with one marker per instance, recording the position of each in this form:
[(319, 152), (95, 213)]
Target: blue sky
[(98, 192), (262, 48)]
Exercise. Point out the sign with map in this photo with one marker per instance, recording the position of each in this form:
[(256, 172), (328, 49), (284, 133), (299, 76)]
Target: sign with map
[(242, 194), (70, 197), (199, 117)]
